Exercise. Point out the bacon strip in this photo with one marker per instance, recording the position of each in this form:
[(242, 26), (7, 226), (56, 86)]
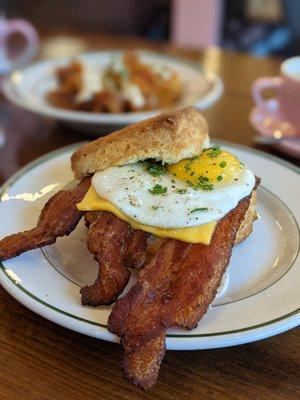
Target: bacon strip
[(115, 246), (136, 251), (107, 240), (59, 217), (175, 288)]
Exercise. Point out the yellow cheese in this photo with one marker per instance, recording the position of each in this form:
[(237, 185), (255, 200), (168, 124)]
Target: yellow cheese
[(196, 234)]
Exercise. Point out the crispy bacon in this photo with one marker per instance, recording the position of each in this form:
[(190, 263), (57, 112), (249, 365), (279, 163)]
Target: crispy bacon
[(115, 246), (175, 288), (59, 217), (90, 217), (107, 240), (135, 254)]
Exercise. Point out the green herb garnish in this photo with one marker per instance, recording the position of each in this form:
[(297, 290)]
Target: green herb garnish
[(158, 189), (155, 207), (214, 152), (155, 169), (205, 186), (203, 179), (181, 191), (204, 183), (190, 183), (223, 164), (219, 178), (199, 209)]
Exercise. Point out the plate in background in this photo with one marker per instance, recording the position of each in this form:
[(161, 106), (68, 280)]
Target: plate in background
[(26, 87), (262, 295)]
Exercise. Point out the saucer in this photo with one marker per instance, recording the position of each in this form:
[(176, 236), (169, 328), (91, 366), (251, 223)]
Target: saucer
[(267, 124)]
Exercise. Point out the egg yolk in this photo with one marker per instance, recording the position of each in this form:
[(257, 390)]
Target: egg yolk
[(212, 166)]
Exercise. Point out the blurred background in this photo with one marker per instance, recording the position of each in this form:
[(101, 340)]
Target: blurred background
[(260, 27), (238, 40)]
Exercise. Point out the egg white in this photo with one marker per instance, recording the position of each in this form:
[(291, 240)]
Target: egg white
[(128, 188)]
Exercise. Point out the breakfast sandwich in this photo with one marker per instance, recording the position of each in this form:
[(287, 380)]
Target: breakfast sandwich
[(158, 197)]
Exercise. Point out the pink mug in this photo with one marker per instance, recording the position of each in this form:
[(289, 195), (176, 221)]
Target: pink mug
[(287, 87), (23, 28)]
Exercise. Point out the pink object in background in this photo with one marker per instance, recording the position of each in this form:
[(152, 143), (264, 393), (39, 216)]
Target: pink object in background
[(26, 30), (196, 23), (279, 118), (287, 87), (270, 123)]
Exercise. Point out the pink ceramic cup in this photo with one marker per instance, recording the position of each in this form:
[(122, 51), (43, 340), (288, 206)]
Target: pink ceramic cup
[(287, 87), (9, 27)]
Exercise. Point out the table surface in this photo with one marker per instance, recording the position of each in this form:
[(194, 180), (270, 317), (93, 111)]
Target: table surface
[(40, 360)]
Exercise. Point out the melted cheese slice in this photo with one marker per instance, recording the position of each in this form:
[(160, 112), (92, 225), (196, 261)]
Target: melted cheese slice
[(195, 234)]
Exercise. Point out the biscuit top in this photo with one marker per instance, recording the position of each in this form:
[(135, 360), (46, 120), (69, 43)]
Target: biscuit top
[(168, 137)]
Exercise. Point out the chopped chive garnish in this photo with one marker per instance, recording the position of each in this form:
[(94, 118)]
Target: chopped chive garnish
[(158, 189), (192, 173), (181, 191), (155, 168), (219, 178), (203, 179), (199, 209), (214, 152), (205, 186), (155, 207), (223, 164), (190, 183)]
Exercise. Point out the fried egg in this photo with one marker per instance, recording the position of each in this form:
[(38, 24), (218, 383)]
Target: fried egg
[(188, 194)]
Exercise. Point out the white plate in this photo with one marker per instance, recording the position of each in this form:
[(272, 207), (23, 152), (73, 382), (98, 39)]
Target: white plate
[(27, 87), (261, 299)]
